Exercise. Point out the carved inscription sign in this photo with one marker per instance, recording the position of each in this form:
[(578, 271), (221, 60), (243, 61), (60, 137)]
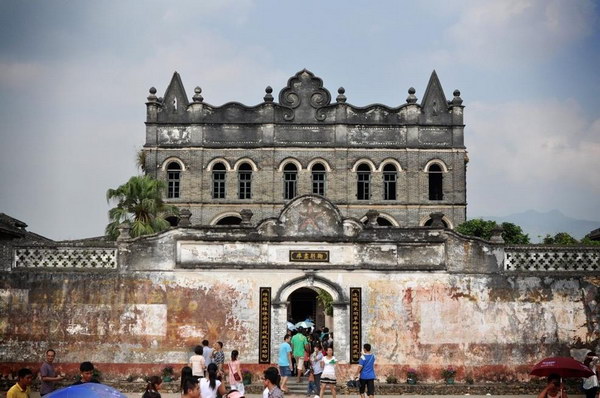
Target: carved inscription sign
[(309, 256), (264, 333), (355, 324)]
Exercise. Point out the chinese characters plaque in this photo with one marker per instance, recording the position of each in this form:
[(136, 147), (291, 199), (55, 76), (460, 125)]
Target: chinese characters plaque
[(355, 324), (264, 332)]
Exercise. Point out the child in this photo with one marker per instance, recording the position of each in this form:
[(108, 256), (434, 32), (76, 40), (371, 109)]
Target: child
[(312, 387)]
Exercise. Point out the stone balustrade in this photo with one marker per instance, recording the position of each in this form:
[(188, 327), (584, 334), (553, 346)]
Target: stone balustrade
[(65, 257), (551, 258)]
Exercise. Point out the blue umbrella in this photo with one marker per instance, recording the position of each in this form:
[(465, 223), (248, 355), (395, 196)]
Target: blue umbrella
[(86, 390)]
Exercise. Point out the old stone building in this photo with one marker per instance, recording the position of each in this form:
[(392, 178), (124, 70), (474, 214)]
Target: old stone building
[(404, 162), (308, 185)]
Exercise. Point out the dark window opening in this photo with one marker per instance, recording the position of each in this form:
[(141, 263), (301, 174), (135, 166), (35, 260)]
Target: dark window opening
[(229, 220), (290, 181), (218, 191), (430, 221), (390, 177), (318, 179), (245, 181), (382, 222), (172, 220), (363, 182), (435, 182), (173, 180)]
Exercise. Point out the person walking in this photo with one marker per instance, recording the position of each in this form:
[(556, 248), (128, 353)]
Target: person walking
[(299, 343), (590, 384), (235, 373), (190, 388), (218, 358), (207, 352), (153, 387), (48, 374), (198, 363), (366, 372), (210, 385), (554, 389), (315, 362), (270, 382), (328, 379), (285, 361)]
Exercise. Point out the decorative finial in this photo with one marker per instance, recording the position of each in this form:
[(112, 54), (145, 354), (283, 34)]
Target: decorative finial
[(152, 96), (341, 98), (268, 97), (197, 97), (411, 99), (456, 101)]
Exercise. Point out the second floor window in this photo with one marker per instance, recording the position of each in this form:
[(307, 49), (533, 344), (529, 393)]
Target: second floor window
[(363, 182), (218, 191), (245, 181), (290, 181), (436, 191), (173, 180), (390, 176), (318, 179)]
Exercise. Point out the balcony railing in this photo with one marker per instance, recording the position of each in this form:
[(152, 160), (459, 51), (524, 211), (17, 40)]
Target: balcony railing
[(551, 258)]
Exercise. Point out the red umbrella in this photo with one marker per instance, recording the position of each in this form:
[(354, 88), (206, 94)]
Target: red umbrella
[(564, 367)]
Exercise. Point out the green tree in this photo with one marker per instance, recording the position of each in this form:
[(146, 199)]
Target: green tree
[(512, 234), (139, 203), (326, 300), (561, 238), (564, 239)]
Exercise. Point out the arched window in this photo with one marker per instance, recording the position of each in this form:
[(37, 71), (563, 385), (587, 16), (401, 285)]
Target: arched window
[(436, 191), (245, 181), (430, 221), (290, 181), (363, 182), (390, 176), (173, 180), (229, 220), (218, 174), (318, 179)]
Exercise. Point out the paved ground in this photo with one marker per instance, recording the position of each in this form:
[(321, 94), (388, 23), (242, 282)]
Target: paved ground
[(176, 395)]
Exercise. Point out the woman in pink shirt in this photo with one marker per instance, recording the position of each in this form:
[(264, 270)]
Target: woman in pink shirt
[(235, 373)]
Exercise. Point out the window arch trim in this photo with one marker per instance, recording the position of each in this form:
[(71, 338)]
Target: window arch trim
[(221, 216), (369, 162), (438, 162), (319, 160), (212, 163), (388, 217), (426, 218), (170, 159), (245, 160), (390, 161), (287, 161)]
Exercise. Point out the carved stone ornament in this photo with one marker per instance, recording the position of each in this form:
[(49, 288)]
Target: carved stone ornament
[(305, 96)]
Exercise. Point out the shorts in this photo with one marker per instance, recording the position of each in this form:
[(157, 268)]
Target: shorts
[(299, 363), (285, 371), (370, 384)]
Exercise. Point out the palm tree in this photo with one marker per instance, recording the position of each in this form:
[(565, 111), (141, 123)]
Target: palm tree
[(139, 204)]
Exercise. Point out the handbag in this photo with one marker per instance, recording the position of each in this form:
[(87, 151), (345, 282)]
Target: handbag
[(236, 375)]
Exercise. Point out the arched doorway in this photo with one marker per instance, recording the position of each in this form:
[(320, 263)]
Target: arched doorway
[(310, 303), (299, 296)]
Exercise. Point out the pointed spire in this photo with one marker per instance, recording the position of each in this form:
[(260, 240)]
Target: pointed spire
[(175, 98), (434, 91)]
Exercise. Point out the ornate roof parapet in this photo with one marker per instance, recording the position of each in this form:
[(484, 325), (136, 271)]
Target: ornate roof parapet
[(304, 100)]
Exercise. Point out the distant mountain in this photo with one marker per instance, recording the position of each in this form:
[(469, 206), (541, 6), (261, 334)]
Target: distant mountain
[(538, 224)]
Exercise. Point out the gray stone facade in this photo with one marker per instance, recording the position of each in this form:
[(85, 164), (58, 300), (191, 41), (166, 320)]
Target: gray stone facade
[(306, 127)]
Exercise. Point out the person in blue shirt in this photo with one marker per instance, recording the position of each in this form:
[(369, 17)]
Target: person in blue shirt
[(366, 371), (285, 361)]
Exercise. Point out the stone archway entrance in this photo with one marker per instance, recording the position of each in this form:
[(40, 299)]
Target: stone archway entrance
[(298, 297)]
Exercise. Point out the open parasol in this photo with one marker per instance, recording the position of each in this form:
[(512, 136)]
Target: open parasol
[(562, 366), (86, 390)]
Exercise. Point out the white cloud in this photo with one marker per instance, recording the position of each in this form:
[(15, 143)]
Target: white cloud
[(491, 33), (527, 154)]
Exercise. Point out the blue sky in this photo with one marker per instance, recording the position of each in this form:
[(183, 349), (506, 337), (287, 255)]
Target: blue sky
[(74, 77)]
